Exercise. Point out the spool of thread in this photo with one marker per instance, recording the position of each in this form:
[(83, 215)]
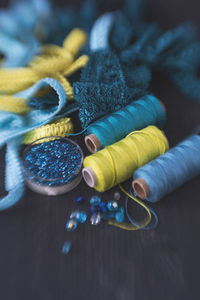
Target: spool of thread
[(169, 171), (116, 163), (52, 165), (114, 127)]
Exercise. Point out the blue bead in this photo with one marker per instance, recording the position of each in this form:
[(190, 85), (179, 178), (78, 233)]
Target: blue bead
[(79, 199), (112, 206), (71, 225), (93, 209), (109, 215), (103, 207), (95, 200), (116, 196), (119, 217), (66, 247), (121, 209), (79, 216)]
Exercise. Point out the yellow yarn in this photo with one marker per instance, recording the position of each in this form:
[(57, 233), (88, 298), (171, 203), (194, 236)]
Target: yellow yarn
[(56, 62), (13, 104), (116, 163), (58, 128)]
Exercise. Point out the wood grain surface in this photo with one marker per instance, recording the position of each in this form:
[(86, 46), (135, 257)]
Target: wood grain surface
[(107, 263)]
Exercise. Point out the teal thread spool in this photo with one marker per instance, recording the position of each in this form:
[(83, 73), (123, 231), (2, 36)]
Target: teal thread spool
[(114, 127)]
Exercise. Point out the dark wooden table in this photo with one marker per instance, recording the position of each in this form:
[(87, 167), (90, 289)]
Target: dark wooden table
[(107, 263)]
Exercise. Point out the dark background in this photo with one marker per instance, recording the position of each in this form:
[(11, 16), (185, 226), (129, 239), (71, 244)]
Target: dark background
[(107, 263)]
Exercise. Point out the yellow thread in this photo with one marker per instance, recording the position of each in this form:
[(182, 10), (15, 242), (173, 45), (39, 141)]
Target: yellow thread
[(116, 163), (58, 128), (13, 104), (130, 226), (54, 61)]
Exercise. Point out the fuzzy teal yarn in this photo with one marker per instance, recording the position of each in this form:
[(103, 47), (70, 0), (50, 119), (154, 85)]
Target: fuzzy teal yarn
[(172, 169), (135, 116), (102, 88), (135, 49)]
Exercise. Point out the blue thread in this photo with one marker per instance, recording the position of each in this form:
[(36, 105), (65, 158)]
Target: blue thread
[(172, 169), (137, 115), (152, 225)]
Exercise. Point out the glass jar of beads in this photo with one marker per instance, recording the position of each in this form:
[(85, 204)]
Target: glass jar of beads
[(52, 165)]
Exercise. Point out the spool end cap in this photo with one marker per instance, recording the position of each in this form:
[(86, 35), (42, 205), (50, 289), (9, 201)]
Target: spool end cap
[(89, 176), (141, 188), (92, 142)]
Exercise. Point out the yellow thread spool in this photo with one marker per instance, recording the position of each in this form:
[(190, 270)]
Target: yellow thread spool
[(116, 163), (59, 128)]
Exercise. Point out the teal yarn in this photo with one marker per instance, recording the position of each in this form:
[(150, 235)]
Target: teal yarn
[(135, 116), (172, 169)]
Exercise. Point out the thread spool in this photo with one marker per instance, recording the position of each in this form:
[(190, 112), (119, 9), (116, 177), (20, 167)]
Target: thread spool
[(52, 169), (116, 163), (114, 127), (169, 171)]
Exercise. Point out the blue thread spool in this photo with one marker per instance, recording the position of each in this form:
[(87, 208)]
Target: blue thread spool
[(169, 171), (52, 165), (114, 127)]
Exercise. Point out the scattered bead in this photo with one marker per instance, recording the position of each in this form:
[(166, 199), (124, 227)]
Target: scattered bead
[(116, 196), (66, 247), (95, 200), (79, 216), (107, 216), (93, 209), (79, 199), (112, 206), (95, 219), (71, 225), (103, 207), (119, 217)]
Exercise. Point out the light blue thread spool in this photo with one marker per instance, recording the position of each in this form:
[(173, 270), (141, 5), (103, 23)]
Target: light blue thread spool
[(169, 171), (114, 127)]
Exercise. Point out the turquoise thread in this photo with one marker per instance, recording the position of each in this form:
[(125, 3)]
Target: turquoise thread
[(137, 115), (172, 169)]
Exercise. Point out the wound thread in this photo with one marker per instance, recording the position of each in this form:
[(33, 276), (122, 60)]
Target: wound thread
[(114, 127), (171, 170), (117, 162)]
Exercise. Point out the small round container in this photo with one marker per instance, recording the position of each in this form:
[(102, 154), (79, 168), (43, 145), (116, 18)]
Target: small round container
[(52, 165)]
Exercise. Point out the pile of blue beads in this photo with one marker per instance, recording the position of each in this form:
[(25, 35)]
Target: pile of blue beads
[(105, 211), (98, 211), (53, 163)]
